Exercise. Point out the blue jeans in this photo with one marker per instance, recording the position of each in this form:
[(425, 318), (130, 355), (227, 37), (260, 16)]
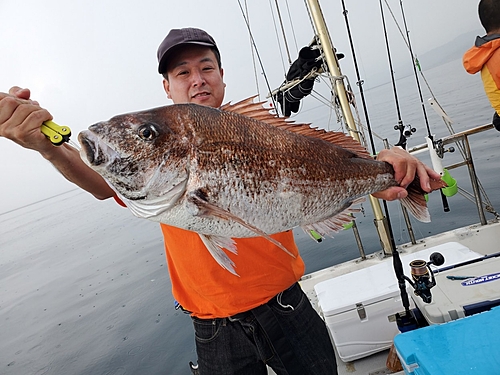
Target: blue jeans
[(229, 347)]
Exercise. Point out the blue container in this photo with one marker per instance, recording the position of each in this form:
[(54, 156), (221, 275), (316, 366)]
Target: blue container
[(466, 346)]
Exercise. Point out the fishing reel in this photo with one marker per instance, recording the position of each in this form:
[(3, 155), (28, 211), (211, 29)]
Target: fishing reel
[(440, 150), (405, 131), (422, 277), (422, 280)]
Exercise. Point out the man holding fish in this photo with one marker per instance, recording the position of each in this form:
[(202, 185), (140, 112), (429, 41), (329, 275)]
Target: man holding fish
[(255, 315)]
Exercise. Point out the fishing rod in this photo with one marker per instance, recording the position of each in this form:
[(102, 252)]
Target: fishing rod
[(403, 135), (367, 119), (405, 318), (438, 147), (432, 145), (359, 82), (337, 79), (415, 63)]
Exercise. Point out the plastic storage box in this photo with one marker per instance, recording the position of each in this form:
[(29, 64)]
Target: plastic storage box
[(469, 346), (356, 306)]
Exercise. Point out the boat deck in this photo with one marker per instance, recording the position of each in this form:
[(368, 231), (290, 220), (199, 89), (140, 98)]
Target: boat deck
[(480, 239)]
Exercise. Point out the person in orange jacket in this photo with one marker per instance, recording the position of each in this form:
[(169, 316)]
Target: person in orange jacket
[(485, 55)]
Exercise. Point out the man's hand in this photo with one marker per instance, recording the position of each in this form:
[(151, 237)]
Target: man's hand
[(405, 167), (21, 119), (21, 93)]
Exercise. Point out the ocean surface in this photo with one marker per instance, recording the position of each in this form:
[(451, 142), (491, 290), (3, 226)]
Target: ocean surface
[(84, 287)]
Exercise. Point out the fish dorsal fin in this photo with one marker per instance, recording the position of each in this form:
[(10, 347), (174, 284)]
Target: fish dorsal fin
[(257, 111)]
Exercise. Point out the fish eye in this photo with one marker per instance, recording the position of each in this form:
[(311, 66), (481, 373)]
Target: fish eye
[(148, 132)]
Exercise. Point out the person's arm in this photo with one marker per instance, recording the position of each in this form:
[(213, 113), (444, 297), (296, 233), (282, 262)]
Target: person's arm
[(20, 121), (67, 160), (405, 167)]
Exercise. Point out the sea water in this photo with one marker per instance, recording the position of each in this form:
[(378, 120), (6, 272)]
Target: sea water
[(84, 286)]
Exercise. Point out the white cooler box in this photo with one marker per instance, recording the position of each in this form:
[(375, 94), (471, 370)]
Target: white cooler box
[(356, 306)]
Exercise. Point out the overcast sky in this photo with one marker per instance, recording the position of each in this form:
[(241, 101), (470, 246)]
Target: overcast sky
[(86, 61)]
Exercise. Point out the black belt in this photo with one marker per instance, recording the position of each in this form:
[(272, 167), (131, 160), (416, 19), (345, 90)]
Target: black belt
[(246, 316)]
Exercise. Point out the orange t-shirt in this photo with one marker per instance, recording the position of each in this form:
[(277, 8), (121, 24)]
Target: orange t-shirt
[(206, 289)]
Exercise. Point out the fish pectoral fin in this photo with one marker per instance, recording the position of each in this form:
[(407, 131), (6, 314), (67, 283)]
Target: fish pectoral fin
[(222, 242), (208, 209), (336, 223), (214, 245)]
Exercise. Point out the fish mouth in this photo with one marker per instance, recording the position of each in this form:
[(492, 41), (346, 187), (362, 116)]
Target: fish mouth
[(88, 149), (92, 149)]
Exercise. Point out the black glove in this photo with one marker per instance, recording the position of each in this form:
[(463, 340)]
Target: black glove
[(496, 121)]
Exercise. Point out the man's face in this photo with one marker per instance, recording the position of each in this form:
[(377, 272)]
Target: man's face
[(194, 77)]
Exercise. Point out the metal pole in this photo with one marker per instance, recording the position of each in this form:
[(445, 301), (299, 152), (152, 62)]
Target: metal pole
[(473, 180), (334, 69)]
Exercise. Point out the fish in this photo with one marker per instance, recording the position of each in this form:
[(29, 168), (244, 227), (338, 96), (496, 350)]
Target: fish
[(237, 171)]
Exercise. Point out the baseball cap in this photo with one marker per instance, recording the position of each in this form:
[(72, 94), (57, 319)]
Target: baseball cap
[(177, 37)]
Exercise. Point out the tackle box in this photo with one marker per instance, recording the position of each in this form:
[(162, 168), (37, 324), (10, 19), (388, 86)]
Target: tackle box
[(468, 346), (356, 305)]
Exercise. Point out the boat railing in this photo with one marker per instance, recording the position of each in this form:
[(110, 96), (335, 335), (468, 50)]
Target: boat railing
[(461, 140)]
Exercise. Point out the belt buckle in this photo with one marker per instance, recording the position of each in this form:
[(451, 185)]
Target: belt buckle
[(240, 316)]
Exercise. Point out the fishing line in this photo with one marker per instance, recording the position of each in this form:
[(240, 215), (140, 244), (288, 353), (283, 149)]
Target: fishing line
[(283, 32), (429, 133), (414, 64), (253, 56), (291, 26), (359, 82), (334, 102), (370, 133), (277, 38), (256, 52), (400, 126), (74, 145), (407, 42)]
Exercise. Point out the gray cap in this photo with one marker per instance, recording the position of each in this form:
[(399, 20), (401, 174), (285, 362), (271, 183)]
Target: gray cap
[(176, 37)]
